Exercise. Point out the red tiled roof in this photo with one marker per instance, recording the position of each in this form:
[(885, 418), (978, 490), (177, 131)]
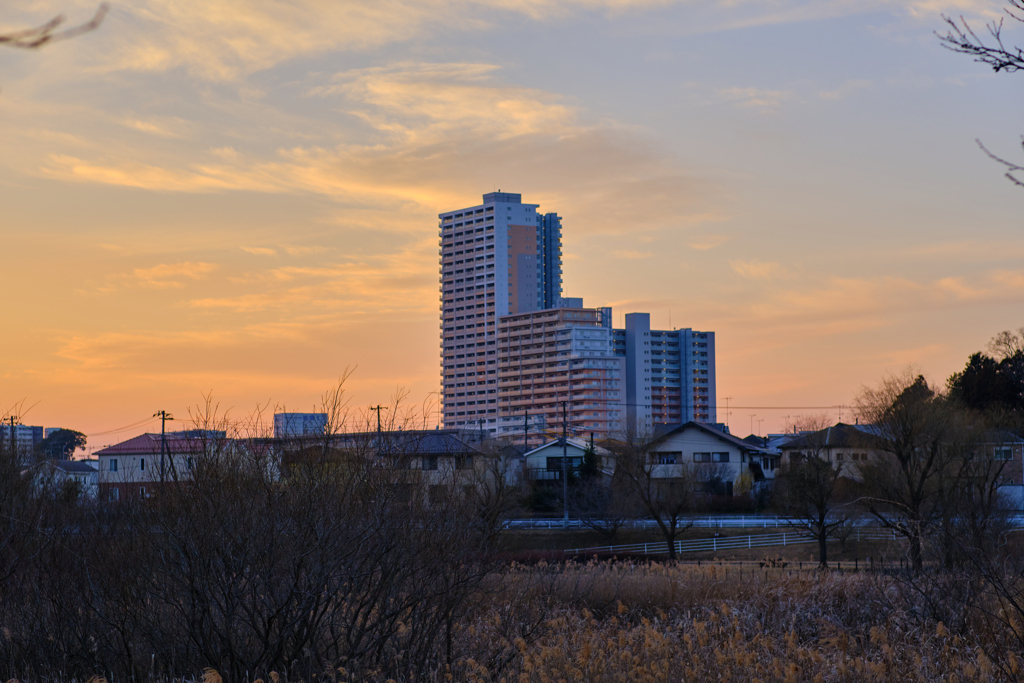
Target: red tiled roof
[(149, 444)]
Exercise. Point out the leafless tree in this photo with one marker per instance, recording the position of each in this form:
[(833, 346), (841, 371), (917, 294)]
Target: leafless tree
[(245, 568), (934, 474), (811, 487), (51, 32), (1007, 344), (906, 481), (960, 37), (667, 493), (601, 506)]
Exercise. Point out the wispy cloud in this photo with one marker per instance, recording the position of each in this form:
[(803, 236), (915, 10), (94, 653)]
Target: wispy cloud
[(852, 298), (758, 270), (402, 281), (162, 276), (224, 39), (758, 98), (631, 254), (845, 90), (423, 103), (164, 127), (988, 9), (708, 242), (171, 274), (437, 130), (259, 251)]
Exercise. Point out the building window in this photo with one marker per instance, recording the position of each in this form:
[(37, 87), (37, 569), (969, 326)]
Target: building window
[(430, 462), (1003, 454), (142, 491), (702, 457), (464, 462), (721, 457), (113, 464), (114, 494), (668, 458), (142, 464)]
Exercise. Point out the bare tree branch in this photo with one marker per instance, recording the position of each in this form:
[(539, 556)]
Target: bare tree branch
[(960, 37), (34, 38), (1013, 168)]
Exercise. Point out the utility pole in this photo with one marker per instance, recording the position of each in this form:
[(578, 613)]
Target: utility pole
[(378, 408), (565, 464), (526, 432), (164, 417), (14, 449)]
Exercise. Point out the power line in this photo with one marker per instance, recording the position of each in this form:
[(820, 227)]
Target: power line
[(717, 407), (134, 425)]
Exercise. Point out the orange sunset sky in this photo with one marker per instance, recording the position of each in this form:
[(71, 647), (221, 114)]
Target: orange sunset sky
[(242, 197)]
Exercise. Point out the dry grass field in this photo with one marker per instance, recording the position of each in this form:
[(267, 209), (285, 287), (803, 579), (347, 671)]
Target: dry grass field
[(640, 621)]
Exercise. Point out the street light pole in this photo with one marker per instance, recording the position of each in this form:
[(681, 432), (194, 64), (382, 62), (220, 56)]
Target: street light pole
[(565, 464)]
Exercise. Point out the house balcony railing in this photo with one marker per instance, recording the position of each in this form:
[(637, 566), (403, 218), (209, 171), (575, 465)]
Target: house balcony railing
[(545, 474)]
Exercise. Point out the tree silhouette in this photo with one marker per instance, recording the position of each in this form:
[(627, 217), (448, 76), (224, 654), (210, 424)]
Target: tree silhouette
[(991, 50), (50, 32)]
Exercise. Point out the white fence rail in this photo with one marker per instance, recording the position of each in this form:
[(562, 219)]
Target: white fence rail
[(725, 522), (705, 545)]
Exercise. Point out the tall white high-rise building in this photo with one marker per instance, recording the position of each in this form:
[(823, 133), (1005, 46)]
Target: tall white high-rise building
[(497, 258)]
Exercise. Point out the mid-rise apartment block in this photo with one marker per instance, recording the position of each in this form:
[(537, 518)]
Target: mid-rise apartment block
[(23, 439), (297, 425), (558, 364), (671, 373), (498, 258)]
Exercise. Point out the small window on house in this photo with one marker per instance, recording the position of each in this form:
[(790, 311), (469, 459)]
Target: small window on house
[(464, 462), (142, 491), (721, 457), (113, 466), (430, 462), (839, 456), (142, 464), (114, 495), (702, 457), (1003, 454), (667, 458)]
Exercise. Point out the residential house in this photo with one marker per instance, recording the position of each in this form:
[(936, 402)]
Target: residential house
[(138, 467), (847, 446), (81, 473), (724, 461), (544, 463), (850, 447), (1007, 449)]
